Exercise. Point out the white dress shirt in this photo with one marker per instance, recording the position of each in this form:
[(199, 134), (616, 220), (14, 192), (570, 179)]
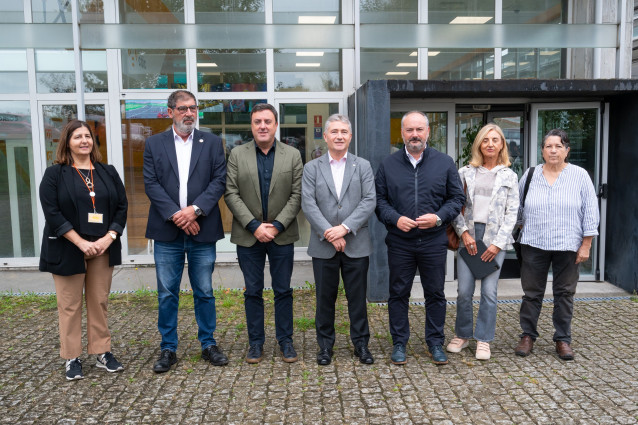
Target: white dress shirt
[(183, 150), (414, 161), (338, 168)]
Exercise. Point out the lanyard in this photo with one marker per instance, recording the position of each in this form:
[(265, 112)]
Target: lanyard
[(88, 183)]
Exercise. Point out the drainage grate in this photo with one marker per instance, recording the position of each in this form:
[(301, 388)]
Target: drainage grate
[(545, 300)]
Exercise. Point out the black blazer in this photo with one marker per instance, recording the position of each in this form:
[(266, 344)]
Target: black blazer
[(206, 184), (58, 255)]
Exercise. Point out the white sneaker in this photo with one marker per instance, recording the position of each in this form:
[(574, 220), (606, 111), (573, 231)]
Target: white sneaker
[(482, 350), (457, 344)]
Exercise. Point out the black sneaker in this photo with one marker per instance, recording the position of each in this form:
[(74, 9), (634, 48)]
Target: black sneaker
[(74, 369), (255, 353), (109, 362), (288, 352), (166, 360), (214, 355)]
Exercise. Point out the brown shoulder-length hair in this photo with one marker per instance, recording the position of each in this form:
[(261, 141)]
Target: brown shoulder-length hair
[(63, 154), (477, 155)]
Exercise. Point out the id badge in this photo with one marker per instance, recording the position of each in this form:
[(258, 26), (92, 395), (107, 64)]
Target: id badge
[(95, 218)]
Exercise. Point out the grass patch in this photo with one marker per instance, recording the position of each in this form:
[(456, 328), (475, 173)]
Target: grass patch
[(302, 324), (27, 304), (342, 328)]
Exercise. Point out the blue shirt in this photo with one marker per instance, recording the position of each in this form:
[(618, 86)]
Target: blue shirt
[(265, 165), (557, 217)]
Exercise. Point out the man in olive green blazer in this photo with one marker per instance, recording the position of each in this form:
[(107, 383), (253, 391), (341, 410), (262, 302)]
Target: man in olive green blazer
[(263, 191)]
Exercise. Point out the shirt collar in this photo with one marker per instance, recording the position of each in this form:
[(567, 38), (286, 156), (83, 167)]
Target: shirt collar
[(177, 137), (331, 159), (411, 158), (272, 148)]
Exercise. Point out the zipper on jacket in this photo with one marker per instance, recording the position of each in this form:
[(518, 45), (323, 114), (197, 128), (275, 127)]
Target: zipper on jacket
[(416, 192)]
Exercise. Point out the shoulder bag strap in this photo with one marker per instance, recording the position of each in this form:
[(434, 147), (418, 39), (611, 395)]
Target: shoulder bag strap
[(527, 182)]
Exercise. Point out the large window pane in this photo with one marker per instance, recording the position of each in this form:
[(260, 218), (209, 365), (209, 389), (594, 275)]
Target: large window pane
[(18, 228), (91, 11), (11, 11), (461, 12), (533, 12), (388, 11), (151, 12), (229, 11), (55, 71), (306, 12), (398, 64), (307, 70), (301, 126), (459, 64), (531, 63), (153, 69), (13, 71), (50, 11), (582, 127), (140, 119), (231, 70)]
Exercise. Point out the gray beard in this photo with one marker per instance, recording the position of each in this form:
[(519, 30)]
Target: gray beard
[(184, 128), (414, 148)]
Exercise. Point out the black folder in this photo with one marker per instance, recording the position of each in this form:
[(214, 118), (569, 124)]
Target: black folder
[(478, 267)]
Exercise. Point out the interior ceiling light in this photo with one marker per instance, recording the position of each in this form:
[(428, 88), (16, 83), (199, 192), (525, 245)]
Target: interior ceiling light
[(407, 64), (548, 52), (308, 64), (414, 54), (207, 64), (397, 73), (316, 19), (309, 53), (433, 52), (470, 19)]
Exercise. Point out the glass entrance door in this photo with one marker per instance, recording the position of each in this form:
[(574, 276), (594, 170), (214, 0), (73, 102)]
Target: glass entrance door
[(582, 122)]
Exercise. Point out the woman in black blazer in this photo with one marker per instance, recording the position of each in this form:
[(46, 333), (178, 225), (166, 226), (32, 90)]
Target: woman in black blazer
[(84, 204)]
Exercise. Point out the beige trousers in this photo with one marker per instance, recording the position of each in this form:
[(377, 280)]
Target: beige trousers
[(96, 285)]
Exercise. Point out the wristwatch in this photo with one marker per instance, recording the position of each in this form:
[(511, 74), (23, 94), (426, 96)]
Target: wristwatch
[(198, 210), (113, 235), (438, 221)]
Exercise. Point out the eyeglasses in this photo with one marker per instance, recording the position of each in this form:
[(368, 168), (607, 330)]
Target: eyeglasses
[(183, 109)]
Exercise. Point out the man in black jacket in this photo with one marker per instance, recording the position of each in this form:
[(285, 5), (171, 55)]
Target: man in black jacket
[(418, 193)]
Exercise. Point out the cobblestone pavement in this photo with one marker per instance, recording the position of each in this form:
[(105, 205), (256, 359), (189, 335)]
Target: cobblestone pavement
[(600, 386)]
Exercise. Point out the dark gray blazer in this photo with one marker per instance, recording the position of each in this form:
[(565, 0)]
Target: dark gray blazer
[(323, 209)]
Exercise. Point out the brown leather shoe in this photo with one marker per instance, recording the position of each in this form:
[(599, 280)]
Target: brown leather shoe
[(564, 351), (525, 346)]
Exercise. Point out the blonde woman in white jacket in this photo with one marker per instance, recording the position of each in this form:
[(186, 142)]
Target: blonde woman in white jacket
[(490, 215)]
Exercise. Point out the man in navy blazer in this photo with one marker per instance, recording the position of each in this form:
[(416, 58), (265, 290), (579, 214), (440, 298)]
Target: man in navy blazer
[(338, 197), (184, 177)]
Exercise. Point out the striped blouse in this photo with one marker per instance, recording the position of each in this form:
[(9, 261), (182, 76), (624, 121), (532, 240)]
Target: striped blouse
[(557, 217)]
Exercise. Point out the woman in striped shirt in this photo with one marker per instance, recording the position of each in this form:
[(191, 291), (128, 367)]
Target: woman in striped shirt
[(560, 218)]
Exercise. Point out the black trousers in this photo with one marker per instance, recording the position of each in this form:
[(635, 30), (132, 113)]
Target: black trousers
[(355, 281), (534, 271), (428, 255)]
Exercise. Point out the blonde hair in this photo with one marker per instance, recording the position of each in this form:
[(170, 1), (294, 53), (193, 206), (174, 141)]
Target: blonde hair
[(477, 155)]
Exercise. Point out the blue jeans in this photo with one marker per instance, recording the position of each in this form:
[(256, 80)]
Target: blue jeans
[(486, 319), (169, 266), (252, 261)]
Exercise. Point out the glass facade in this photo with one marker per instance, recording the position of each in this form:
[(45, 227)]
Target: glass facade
[(303, 57)]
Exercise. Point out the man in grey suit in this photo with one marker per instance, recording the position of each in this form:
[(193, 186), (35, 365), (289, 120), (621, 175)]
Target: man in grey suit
[(338, 197)]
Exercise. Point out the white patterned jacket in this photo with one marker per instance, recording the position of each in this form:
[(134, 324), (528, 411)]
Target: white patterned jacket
[(502, 212)]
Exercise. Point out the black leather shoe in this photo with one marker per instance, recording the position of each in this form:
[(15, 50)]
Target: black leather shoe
[(255, 353), (214, 355), (166, 360), (324, 356), (288, 352), (361, 351)]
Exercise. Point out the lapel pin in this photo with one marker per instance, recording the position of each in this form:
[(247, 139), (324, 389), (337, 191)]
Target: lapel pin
[(201, 140)]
